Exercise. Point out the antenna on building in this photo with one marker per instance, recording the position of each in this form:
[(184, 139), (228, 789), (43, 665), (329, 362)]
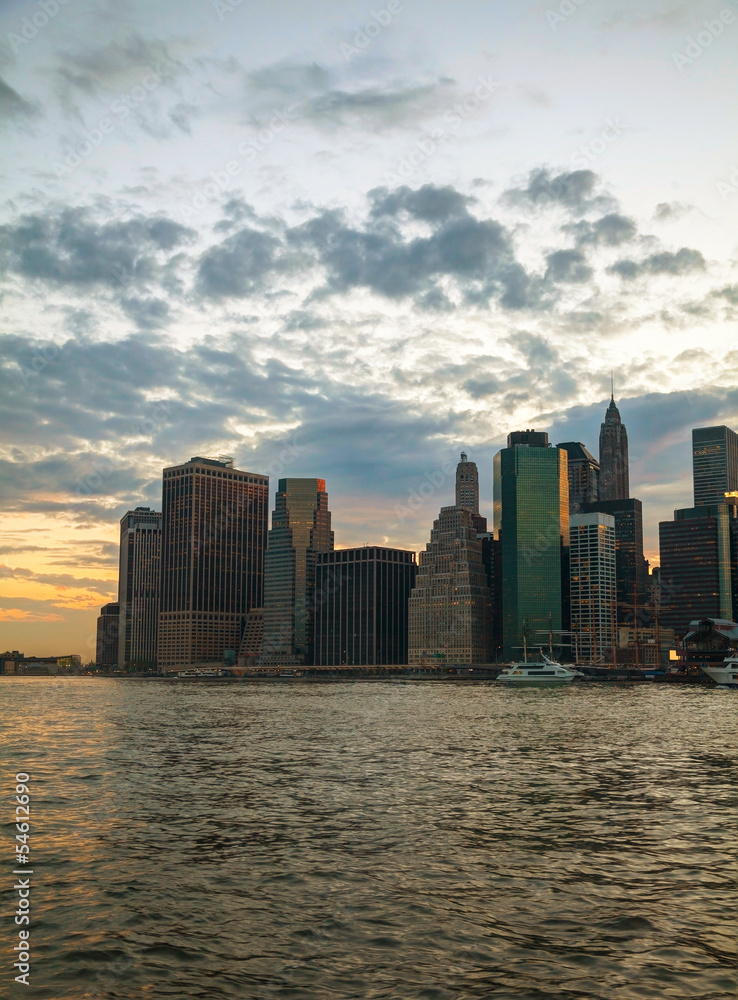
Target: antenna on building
[(612, 386)]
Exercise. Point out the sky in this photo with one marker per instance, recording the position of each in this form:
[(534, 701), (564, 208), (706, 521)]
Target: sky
[(349, 241)]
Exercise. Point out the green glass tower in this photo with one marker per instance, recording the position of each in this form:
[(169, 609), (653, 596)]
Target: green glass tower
[(531, 516), (301, 528)]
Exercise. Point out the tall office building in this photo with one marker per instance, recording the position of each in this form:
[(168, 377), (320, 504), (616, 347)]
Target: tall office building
[(106, 647), (714, 464), (584, 475), (592, 584), (450, 603), (531, 517), (138, 586), (631, 570), (214, 529), (614, 471), (361, 606), (467, 490), (301, 528), (698, 564)]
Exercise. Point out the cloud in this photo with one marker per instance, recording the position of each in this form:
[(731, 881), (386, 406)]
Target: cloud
[(574, 191), (12, 105), (428, 203), (611, 230), (667, 211), (68, 247), (19, 615), (568, 266), (239, 265), (683, 261)]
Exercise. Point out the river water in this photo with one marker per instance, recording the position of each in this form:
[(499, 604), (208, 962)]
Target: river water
[(373, 840)]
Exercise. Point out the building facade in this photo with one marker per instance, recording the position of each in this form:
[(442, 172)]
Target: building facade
[(450, 604), (531, 518), (698, 565), (106, 647), (301, 528), (614, 469), (467, 490), (138, 586), (214, 529), (714, 464), (584, 475), (592, 585), (631, 569), (361, 606)]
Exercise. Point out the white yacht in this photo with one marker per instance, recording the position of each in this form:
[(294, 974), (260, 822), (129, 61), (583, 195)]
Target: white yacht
[(726, 675), (544, 671)]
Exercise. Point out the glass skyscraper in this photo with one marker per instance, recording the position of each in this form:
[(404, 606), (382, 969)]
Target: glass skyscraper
[(584, 475), (714, 464), (301, 528), (361, 606), (531, 517)]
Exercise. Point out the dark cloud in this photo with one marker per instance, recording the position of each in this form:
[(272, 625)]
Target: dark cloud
[(239, 265), (683, 261), (428, 203), (147, 313), (567, 266), (70, 248), (611, 230), (574, 191)]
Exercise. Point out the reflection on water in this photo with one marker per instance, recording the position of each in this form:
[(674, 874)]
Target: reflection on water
[(377, 840)]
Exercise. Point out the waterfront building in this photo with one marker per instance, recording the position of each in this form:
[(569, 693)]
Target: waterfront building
[(253, 638), (614, 483), (450, 602), (631, 568), (361, 606), (214, 527), (698, 564), (301, 528), (492, 561), (710, 640), (714, 464), (584, 475), (106, 648), (592, 585), (467, 491), (138, 586), (531, 518)]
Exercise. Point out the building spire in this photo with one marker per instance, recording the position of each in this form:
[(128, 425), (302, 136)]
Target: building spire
[(612, 386)]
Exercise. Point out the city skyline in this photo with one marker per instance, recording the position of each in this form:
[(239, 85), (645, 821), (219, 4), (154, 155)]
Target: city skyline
[(348, 248)]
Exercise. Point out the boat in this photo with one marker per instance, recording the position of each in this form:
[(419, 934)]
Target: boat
[(725, 675), (544, 671), (188, 673)]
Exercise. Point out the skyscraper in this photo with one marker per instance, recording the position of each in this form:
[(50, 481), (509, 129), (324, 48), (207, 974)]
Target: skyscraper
[(584, 475), (614, 473), (698, 564), (467, 491), (592, 584), (631, 568), (301, 528), (361, 612), (531, 516), (214, 527), (106, 647), (714, 464), (138, 586), (450, 603)]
